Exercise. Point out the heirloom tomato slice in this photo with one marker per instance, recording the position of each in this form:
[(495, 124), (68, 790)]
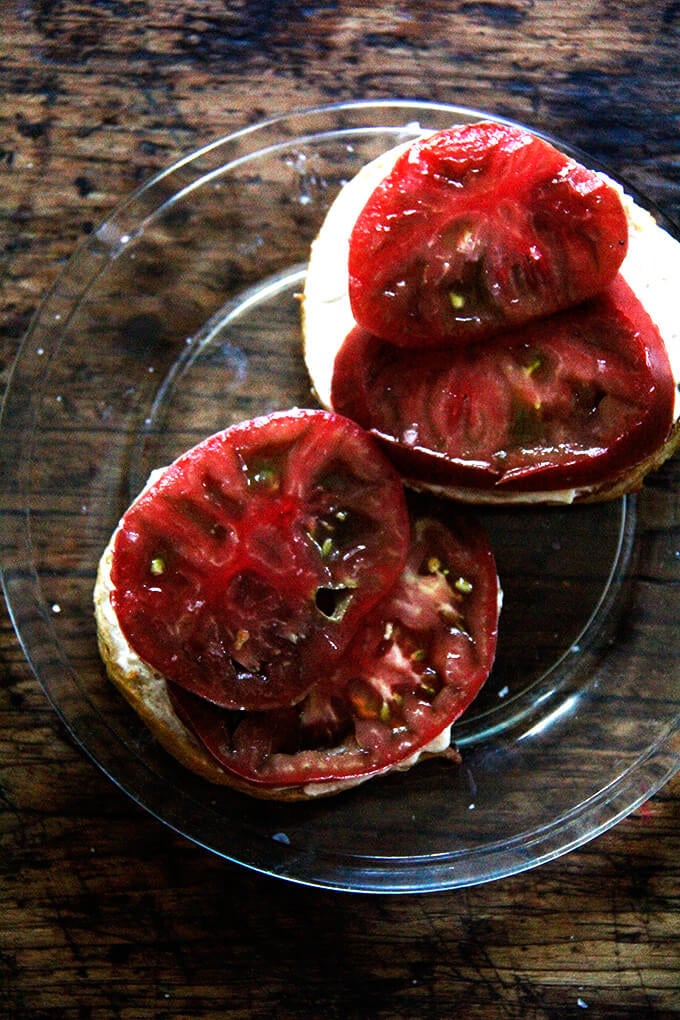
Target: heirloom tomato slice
[(243, 571), (413, 666), (574, 399), (479, 228)]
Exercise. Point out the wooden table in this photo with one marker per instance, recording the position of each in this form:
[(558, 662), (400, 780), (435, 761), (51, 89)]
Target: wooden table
[(104, 912)]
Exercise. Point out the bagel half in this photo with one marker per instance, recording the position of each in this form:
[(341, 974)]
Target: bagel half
[(651, 268)]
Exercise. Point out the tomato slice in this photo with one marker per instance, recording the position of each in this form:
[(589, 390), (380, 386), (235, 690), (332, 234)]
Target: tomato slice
[(566, 401), (412, 668), (479, 228), (242, 573)]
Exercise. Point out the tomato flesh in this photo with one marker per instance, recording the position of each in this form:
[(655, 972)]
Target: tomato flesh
[(413, 666), (479, 228), (242, 573), (569, 400)]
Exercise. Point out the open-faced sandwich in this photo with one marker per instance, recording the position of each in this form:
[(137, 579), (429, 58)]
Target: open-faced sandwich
[(483, 317), (500, 317), (278, 619)]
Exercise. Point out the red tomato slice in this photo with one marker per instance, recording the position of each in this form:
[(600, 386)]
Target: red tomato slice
[(477, 229), (566, 401), (412, 668), (244, 570)]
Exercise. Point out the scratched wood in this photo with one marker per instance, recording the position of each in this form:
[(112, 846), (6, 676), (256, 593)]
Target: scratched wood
[(105, 913)]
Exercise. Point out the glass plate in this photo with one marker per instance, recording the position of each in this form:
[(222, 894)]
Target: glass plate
[(179, 316)]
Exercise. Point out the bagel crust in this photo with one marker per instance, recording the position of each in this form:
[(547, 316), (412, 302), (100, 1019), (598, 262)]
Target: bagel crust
[(651, 268)]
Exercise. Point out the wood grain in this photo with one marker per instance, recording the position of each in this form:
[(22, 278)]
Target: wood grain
[(105, 913)]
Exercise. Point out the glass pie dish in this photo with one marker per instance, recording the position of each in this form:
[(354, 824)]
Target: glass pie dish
[(179, 316)]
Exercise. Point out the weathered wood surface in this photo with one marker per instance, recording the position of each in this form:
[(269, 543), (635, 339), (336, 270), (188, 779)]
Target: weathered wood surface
[(105, 913)]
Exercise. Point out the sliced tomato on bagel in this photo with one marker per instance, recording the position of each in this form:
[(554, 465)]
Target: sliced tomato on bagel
[(479, 228), (243, 571), (413, 667), (571, 400)]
